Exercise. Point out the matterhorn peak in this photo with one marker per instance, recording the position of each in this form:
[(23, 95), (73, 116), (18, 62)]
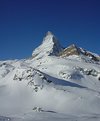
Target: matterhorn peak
[(49, 33), (50, 46), (50, 38)]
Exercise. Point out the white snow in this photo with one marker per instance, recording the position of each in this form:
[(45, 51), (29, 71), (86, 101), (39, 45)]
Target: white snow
[(49, 46), (49, 88)]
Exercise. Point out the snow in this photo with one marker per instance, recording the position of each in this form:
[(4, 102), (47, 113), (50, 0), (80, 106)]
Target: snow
[(49, 88), (49, 46), (47, 116)]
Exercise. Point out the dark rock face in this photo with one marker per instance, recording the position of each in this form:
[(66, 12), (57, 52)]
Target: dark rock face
[(93, 57)]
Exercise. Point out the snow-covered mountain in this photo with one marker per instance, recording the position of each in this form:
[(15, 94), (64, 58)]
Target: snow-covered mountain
[(80, 52), (49, 46), (55, 84)]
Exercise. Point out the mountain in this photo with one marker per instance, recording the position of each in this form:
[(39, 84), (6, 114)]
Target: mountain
[(56, 83), (49, 46), (74, 50)]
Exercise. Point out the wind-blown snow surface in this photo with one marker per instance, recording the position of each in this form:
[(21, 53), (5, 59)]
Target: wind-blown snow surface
[(54, 84), (49, 88)]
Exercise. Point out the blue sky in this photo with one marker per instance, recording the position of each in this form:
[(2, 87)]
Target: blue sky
[(23, 24)]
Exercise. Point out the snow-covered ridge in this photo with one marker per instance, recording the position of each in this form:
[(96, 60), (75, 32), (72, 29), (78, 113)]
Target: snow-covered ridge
[(82, 53), (49, 46), (55, 82)]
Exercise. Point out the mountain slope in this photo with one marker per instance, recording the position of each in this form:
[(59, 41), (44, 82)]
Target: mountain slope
[(49, 46), (64, 87), (74, 50)]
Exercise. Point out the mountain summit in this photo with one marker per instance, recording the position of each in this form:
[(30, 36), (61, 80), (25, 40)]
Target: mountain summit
[(74, 50), (60, 83), (49, 46)]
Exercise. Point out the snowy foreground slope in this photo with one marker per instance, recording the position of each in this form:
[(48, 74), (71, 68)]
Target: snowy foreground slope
[(55, 84)]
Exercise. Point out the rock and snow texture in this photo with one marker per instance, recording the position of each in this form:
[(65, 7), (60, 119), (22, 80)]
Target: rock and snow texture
[(50, 87), (49, 46), (82, 53)]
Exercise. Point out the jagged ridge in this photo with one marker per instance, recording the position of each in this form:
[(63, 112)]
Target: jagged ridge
[(74, 50), (49, 46), (53, 83)]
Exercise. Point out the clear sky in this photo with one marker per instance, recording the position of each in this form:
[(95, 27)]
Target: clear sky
[(23, 24)]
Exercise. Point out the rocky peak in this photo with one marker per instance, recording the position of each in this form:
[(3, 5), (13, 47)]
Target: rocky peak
[(74, 50), (70, 50), (49, 33), (49, 46), (50, 39)]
